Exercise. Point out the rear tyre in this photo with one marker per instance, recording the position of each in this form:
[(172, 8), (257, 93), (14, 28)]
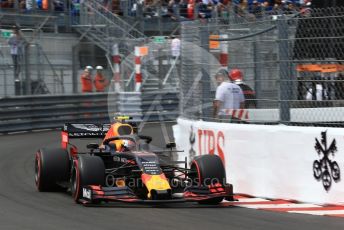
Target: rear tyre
[(209, 171), (87, 170), (51, 166)]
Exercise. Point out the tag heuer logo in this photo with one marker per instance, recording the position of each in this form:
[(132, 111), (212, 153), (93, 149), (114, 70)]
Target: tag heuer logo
[(326, 168), (192, 140)]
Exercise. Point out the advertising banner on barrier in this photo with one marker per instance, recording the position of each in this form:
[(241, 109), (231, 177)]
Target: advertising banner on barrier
[(300, 163)]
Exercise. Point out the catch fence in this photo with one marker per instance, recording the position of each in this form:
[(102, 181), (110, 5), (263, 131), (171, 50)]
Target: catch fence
[(294, 63)]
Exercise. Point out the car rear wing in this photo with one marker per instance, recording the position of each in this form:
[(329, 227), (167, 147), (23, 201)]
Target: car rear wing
[(78, 131)]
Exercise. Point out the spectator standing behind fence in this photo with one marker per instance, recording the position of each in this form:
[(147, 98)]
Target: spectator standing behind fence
[(86, 80), (175, 47), (237, 78), (229, 96), (100, 82), (15, 43), (317, 90)]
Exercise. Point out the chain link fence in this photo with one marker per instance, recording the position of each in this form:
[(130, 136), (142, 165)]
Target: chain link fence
[(294, 63), (44, 65), (53, 64)]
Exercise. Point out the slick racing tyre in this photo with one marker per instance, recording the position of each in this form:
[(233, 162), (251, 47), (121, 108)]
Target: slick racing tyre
[(87, 170), (51, 166), (210, 171)]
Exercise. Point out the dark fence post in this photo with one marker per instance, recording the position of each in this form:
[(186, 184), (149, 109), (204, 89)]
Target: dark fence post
[(27, 87), (284, 70), (206, 100), (75, 66), (256, 72)]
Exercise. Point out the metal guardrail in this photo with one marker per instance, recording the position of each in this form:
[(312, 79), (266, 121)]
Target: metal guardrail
[(26, 113)]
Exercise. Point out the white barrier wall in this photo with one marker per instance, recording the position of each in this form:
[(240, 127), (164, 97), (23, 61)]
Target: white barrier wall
[(330, 114), (272, 161)]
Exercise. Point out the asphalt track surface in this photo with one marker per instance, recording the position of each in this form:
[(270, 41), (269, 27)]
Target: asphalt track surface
[(22, 207)]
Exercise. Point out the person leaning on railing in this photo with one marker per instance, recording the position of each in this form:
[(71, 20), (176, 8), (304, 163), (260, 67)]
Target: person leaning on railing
[(229, 96)]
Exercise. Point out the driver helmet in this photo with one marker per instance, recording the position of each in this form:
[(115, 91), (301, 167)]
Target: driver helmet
[(128, 145)]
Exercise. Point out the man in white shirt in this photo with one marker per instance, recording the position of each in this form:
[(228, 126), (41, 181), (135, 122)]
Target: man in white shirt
[(228, 96), (175, 47)]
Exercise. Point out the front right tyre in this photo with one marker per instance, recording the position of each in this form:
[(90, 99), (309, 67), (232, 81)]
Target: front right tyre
[(208, 170)]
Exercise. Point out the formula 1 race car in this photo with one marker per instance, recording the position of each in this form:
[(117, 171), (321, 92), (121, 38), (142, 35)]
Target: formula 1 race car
[(129, 171)]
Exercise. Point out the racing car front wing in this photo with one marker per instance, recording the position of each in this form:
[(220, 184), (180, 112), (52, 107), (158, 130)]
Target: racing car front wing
[(93, 194)]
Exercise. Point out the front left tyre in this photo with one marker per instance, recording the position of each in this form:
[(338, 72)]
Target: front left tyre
[(51, 166), (87, 170)]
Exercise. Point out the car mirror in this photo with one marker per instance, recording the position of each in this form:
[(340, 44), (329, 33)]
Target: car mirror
[(113, 146), (170, 145), (92, 146)]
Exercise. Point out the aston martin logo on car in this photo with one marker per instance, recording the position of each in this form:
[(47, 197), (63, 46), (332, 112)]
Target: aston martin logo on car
[(326, 168)]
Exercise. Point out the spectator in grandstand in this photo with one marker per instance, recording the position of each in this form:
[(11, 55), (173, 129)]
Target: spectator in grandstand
[(278, 7), (290, 8), (28, 4), (191, 9), (148, 8), (23, 5), (183, 9), (7, 3), (236, 77), (266, 6), (305, 8), (256, 9), (39, 4), (205, 8), (242, 8), (75, 7), (229, 96), (16, 42), (223, 8), (58, 5), (115, 7), (100, 82), (86, 80)]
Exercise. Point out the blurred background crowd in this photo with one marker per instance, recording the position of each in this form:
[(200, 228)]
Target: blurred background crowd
[(174, 9)]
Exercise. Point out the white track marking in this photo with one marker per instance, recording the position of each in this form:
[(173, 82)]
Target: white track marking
[(277, 206), (251, 199), (321, 212)]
